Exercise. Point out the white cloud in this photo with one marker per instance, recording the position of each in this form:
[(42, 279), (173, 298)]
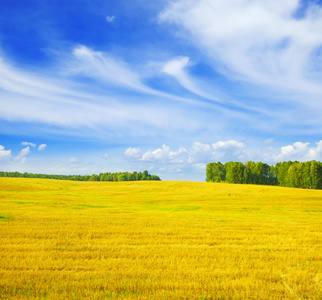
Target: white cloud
[(198, 147), (4, 154), (42, 147), (193, 160), (112, 70), (268, 141), (315, 153), (255, 41), (106, 156), (300, 151), (229, 150), (107, 68), (22, 154), (38, 98), (110, 19), (176, 68), (230, 144), (28, 144), (164, 154), (200, 153), (133, 153)]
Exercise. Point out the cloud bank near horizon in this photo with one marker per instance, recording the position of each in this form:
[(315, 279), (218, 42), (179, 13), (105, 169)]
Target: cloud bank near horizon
[(200, 154), (164, 160)]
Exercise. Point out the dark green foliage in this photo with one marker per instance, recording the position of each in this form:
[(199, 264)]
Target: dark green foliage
[(120, 176), (306, 175)]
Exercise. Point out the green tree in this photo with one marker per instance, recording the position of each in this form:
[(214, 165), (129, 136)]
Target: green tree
[(209, 172), (234, 172), (250, 172), (316, 175), (94, 178), (219, 172), (215, 172), (122, 177), (282, 172)]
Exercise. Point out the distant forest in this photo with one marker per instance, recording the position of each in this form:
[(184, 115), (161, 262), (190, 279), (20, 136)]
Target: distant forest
[(306, 175), (120, 176)]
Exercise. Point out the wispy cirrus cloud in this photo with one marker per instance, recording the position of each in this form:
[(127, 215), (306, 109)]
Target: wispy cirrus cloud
[(28, 144), (260, 42), (22, 154), (69, 105), (43, 98), (176, 68), (114, 71), (105, 67), (42, 147)]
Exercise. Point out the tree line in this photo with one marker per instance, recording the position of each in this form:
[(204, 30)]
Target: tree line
[(120, 176), (306, 175)]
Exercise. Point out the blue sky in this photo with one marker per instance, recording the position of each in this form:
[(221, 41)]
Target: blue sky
[(168, 86)]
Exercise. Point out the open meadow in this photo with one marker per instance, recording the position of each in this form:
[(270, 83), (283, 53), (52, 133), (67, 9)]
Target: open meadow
[(158, 240)]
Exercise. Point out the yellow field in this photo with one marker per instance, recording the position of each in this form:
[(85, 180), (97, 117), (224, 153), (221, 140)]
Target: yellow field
[(158, 240)]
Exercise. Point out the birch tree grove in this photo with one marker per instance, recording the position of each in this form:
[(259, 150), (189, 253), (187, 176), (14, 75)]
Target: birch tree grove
[(306, 175)]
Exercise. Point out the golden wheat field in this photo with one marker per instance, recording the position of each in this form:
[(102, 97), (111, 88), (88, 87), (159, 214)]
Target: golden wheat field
[(158, 240)]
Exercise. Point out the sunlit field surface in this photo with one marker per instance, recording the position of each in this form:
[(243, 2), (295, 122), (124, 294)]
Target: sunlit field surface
[(158, 240)]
